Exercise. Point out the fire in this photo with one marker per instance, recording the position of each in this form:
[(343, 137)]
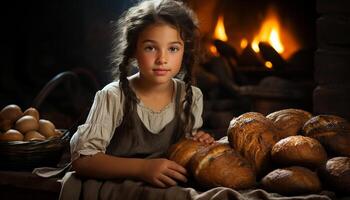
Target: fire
[(271, 32), (244, 43), (268, 64), (219, 34)]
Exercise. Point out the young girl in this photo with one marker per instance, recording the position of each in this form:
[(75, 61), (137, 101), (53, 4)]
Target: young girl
[(134, 120)]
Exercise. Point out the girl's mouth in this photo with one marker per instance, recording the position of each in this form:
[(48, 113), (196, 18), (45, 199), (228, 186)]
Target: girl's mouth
[(160, 72)]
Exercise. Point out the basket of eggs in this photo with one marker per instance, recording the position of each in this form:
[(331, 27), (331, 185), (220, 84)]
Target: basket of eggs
[(27, 141)]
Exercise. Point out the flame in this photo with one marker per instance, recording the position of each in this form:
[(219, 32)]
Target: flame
[(219, 33), (271, 32)]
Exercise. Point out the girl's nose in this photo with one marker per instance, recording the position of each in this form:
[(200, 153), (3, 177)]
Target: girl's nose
[(162, 58)]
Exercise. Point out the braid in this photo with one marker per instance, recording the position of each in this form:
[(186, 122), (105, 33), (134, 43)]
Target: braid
[(130, 97), (131, 24), (188, 120)]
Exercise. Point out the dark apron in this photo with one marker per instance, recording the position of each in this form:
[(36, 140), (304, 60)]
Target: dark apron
[(138, 142)]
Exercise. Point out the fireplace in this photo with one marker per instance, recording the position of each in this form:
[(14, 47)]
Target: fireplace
[(275, 55)]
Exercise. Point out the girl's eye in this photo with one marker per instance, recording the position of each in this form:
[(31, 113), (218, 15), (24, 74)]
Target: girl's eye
[(174, 49), (149, 48)]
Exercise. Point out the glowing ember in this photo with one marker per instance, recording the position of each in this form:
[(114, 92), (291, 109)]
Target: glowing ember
[(268, 64), (213, 50), (244, 43)]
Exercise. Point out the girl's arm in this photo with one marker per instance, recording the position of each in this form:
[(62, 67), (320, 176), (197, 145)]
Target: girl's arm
[(158, 172)]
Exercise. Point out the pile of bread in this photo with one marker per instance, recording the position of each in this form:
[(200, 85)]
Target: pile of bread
[(16, 125), (289, 152)]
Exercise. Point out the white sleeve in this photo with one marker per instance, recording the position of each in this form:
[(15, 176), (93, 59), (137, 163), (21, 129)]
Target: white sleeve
[(105, 116), (197, 108)]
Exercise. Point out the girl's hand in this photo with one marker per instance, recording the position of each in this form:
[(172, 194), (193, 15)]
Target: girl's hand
[(204, 137), (163, 172)]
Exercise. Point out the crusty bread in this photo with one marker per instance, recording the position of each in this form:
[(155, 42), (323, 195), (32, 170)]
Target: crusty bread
[(182, 151), (332, 131), (299, 150), (289, 121), (336, 174), (253, 135), (293, 180), (220, 165)]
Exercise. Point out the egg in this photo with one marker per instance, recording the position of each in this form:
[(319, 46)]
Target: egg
[(5, 124), (8, 115), (33, 135), (46, 128), (27, 123), (32, 112), (11, 135), (58, 133)]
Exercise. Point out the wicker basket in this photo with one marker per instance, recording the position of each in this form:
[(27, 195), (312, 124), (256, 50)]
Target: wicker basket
[(27, 155)]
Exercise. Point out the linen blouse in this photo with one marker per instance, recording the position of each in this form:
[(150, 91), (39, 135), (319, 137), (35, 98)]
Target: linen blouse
[(106, 114)]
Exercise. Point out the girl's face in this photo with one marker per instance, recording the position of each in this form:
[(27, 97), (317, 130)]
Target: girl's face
[(159, 53)]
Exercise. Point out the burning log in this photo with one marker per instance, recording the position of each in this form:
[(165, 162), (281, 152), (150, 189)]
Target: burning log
[(248, 57), (270, 54), (225, 49)]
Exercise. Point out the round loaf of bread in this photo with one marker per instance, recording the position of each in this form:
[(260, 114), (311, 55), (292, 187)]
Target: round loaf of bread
[(253, 135), (219, 165), (332, 131), (289, 121), (292, 181), (336, 174), (182, 151), (299, 150)]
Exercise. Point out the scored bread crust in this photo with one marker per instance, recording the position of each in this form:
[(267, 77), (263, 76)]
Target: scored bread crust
[(182, 151), (200, 160), (299, 150), (253, 135), (220, 165), (289, 121), (331, 131), (293, 180), (336, 174)]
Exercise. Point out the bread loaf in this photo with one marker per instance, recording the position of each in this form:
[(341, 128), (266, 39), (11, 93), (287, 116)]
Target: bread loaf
[(292, 181), (220, 165), (336, 174), (289, 121), (299, 150), (182, 151), (253, 135), (332, 131)]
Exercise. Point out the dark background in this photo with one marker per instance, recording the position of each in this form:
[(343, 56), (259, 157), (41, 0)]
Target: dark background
[(41, 39)]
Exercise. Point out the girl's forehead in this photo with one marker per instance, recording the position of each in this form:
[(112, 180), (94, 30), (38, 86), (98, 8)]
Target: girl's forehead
[(160, 31)]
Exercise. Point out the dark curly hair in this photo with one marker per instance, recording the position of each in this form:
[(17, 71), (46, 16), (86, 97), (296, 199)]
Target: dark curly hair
[(128, 28)]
